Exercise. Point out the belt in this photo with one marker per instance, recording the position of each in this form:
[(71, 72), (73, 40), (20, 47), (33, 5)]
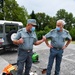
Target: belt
[(57, 48), (26, 50)]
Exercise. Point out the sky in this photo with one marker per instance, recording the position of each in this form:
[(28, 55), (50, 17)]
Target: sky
[(49, 7)]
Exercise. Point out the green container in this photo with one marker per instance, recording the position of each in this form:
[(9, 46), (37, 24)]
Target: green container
[(35, 57)]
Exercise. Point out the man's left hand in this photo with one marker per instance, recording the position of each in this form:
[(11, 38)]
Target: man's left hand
[(64, 47)]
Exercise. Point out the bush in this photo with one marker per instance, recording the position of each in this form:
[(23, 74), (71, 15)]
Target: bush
[(42, 33), (72, 32)]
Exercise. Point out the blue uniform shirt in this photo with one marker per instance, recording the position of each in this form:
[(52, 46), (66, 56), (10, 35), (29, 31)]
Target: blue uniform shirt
[(29, 39), (58, 38)]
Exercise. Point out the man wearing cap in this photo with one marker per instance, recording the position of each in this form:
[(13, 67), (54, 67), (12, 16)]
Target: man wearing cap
[(57, 45), (25, 39)]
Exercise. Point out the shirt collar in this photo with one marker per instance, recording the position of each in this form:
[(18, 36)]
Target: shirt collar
[(26, 30)]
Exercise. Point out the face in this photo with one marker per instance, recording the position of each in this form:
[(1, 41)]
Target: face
[(31, 27), (59, 24)]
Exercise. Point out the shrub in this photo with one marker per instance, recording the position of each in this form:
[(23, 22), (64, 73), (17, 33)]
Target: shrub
[(72, 32)]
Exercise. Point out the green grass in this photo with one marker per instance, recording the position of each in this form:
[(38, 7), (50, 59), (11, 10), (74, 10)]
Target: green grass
[(73, 42)]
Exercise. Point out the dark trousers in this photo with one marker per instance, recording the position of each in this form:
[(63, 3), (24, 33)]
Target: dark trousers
[(24, 59), (54, 54)]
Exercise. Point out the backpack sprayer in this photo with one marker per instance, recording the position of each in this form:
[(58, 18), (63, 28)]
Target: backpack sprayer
[(35, 57), (12, 70)]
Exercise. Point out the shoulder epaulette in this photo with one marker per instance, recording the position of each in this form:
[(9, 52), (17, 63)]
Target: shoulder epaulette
[(52, 30), (66, 30)]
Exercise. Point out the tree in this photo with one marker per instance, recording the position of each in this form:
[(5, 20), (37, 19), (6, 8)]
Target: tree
[(61, 14), (32, 15), (1, 8), (12, 11), (52, 23), (67, 17), (73, 24), (43, 20), (72, 32), (69, 21), (1, 3)]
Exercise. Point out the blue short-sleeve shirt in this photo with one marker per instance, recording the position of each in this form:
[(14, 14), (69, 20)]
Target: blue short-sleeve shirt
[(58, 38), (29, 39)]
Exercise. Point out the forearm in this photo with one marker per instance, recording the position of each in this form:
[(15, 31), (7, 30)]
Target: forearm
[(38, 42), (68, 42), (46, 41)]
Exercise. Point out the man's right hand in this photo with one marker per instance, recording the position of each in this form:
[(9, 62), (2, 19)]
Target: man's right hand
[(20, 41), (44, 38)]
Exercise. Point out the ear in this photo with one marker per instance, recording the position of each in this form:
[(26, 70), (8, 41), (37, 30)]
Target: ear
[(62, 25), (27, 24)]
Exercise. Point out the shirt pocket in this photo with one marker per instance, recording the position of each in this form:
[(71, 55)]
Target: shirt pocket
[(54, 38), (32, 40)]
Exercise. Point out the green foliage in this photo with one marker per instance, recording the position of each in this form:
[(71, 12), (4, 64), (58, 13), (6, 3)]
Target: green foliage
[(32, 15), (40, 34), (12, 11), (72, 32), (67, 17), (1, 16), (61, 14), (43, 32), (1, 3), (43, 20), (46, 23)]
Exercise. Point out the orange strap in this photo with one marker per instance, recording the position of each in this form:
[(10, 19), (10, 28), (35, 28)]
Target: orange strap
[(8, 68)]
